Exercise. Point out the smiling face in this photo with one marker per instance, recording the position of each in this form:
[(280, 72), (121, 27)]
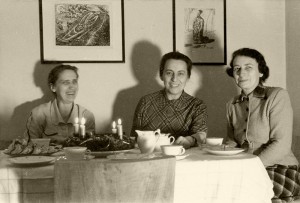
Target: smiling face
[(175, 76), (246, 73), (66, 86)]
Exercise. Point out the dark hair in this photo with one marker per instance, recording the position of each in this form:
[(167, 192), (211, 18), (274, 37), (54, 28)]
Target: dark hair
[(55, 72), (252, 53), (177, 56)]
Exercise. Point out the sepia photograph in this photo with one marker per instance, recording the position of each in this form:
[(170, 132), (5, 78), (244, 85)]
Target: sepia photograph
[(149, 101)]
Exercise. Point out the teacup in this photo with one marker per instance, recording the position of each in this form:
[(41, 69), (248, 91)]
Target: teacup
[(76, 153), (41, 142), (172, 150), (214, 141), (163, 140)]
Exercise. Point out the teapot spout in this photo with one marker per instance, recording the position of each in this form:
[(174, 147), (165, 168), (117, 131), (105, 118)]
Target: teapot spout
[(139, 132)]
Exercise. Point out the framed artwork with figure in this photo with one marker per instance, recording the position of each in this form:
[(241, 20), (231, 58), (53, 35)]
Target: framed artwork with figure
[(199, 30), (82, 31)]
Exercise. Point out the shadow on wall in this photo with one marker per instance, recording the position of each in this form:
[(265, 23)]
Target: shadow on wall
[(145, 59), (18, 120), (215, 90)]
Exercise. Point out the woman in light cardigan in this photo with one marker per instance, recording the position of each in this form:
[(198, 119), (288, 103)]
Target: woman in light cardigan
[(260, 120)]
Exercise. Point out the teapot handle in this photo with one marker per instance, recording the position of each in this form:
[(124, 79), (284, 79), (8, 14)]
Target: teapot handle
[(157, 132), (172, 139)]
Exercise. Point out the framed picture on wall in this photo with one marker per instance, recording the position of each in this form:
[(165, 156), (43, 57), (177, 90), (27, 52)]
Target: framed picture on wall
[(82, 31), (199, 30)]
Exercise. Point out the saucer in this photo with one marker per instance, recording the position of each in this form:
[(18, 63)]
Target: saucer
[(180, 157)]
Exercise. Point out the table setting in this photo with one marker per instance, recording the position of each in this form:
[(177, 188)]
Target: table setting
[(211, 172)]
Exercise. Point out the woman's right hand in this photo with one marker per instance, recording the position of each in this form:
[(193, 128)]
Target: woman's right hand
[(184, 141)]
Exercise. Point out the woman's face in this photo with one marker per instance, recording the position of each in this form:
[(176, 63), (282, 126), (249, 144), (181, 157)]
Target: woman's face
[(175, 76), (246, 73), (66, 86)]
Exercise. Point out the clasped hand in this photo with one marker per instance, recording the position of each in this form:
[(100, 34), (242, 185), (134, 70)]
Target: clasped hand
[(186, 142)]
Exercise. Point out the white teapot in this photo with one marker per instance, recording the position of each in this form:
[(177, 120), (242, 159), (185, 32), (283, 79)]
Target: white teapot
[(164, 139), (147, 140)]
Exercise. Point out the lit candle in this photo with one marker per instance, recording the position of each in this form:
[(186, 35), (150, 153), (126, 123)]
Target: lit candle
[(120, 129), (76, 126), (114, 129), (82, 127)]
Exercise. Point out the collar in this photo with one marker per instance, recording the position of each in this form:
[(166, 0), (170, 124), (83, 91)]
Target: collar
[(56, 116), (259, 92), (178, 104)]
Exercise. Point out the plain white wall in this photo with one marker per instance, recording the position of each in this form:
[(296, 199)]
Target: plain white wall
[(293, 61), (112, 90)]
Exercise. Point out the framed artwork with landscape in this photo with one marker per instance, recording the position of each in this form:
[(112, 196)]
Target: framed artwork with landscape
[(82, 31), (199, 30)]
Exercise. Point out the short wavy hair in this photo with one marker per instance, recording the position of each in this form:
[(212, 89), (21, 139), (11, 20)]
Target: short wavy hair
[(177, 56), (252, 53), (55, 72)]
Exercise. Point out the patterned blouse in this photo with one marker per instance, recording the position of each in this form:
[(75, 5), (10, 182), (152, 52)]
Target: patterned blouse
[(181, 117)]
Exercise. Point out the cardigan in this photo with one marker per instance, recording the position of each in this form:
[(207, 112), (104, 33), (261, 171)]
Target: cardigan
[(263, 121)]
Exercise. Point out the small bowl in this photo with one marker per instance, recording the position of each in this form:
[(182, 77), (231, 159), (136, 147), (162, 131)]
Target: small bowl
[(214, 141), (40, 142), (76, 153)]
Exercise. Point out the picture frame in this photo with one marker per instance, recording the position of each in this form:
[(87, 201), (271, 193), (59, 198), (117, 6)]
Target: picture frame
[(199, 30), (82, 31)]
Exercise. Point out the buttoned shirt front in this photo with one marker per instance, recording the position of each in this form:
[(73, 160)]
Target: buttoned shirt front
[(181, 117), (46, 121), (263, 121)]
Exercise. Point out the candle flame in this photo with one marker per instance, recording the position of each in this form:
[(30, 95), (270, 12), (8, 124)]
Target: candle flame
[(119, 121), (82, 121), (114, 124), (76, 120)]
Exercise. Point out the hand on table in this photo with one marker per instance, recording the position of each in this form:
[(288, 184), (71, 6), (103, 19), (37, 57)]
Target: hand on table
[(186, 142)]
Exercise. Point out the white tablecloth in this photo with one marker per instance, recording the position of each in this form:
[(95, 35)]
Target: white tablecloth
[(202, 177), (198, 178)]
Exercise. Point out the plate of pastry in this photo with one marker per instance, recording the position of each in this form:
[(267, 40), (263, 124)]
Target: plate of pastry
[(24, 147)]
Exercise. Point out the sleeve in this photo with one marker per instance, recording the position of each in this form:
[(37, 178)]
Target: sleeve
[(281, 127), (35, 124), (199, 123), (138, 117), (198, 128), (90, 121), (229, 140)]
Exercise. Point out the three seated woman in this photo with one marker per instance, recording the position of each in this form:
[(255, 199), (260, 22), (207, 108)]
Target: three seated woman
[(259, 119)]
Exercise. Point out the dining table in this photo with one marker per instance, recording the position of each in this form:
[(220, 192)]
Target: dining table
[(200, 176)]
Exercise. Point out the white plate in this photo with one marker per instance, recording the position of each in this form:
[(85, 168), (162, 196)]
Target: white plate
[(31, 160), (86, 157), (106, 153), (222, 152), (122, 156)]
